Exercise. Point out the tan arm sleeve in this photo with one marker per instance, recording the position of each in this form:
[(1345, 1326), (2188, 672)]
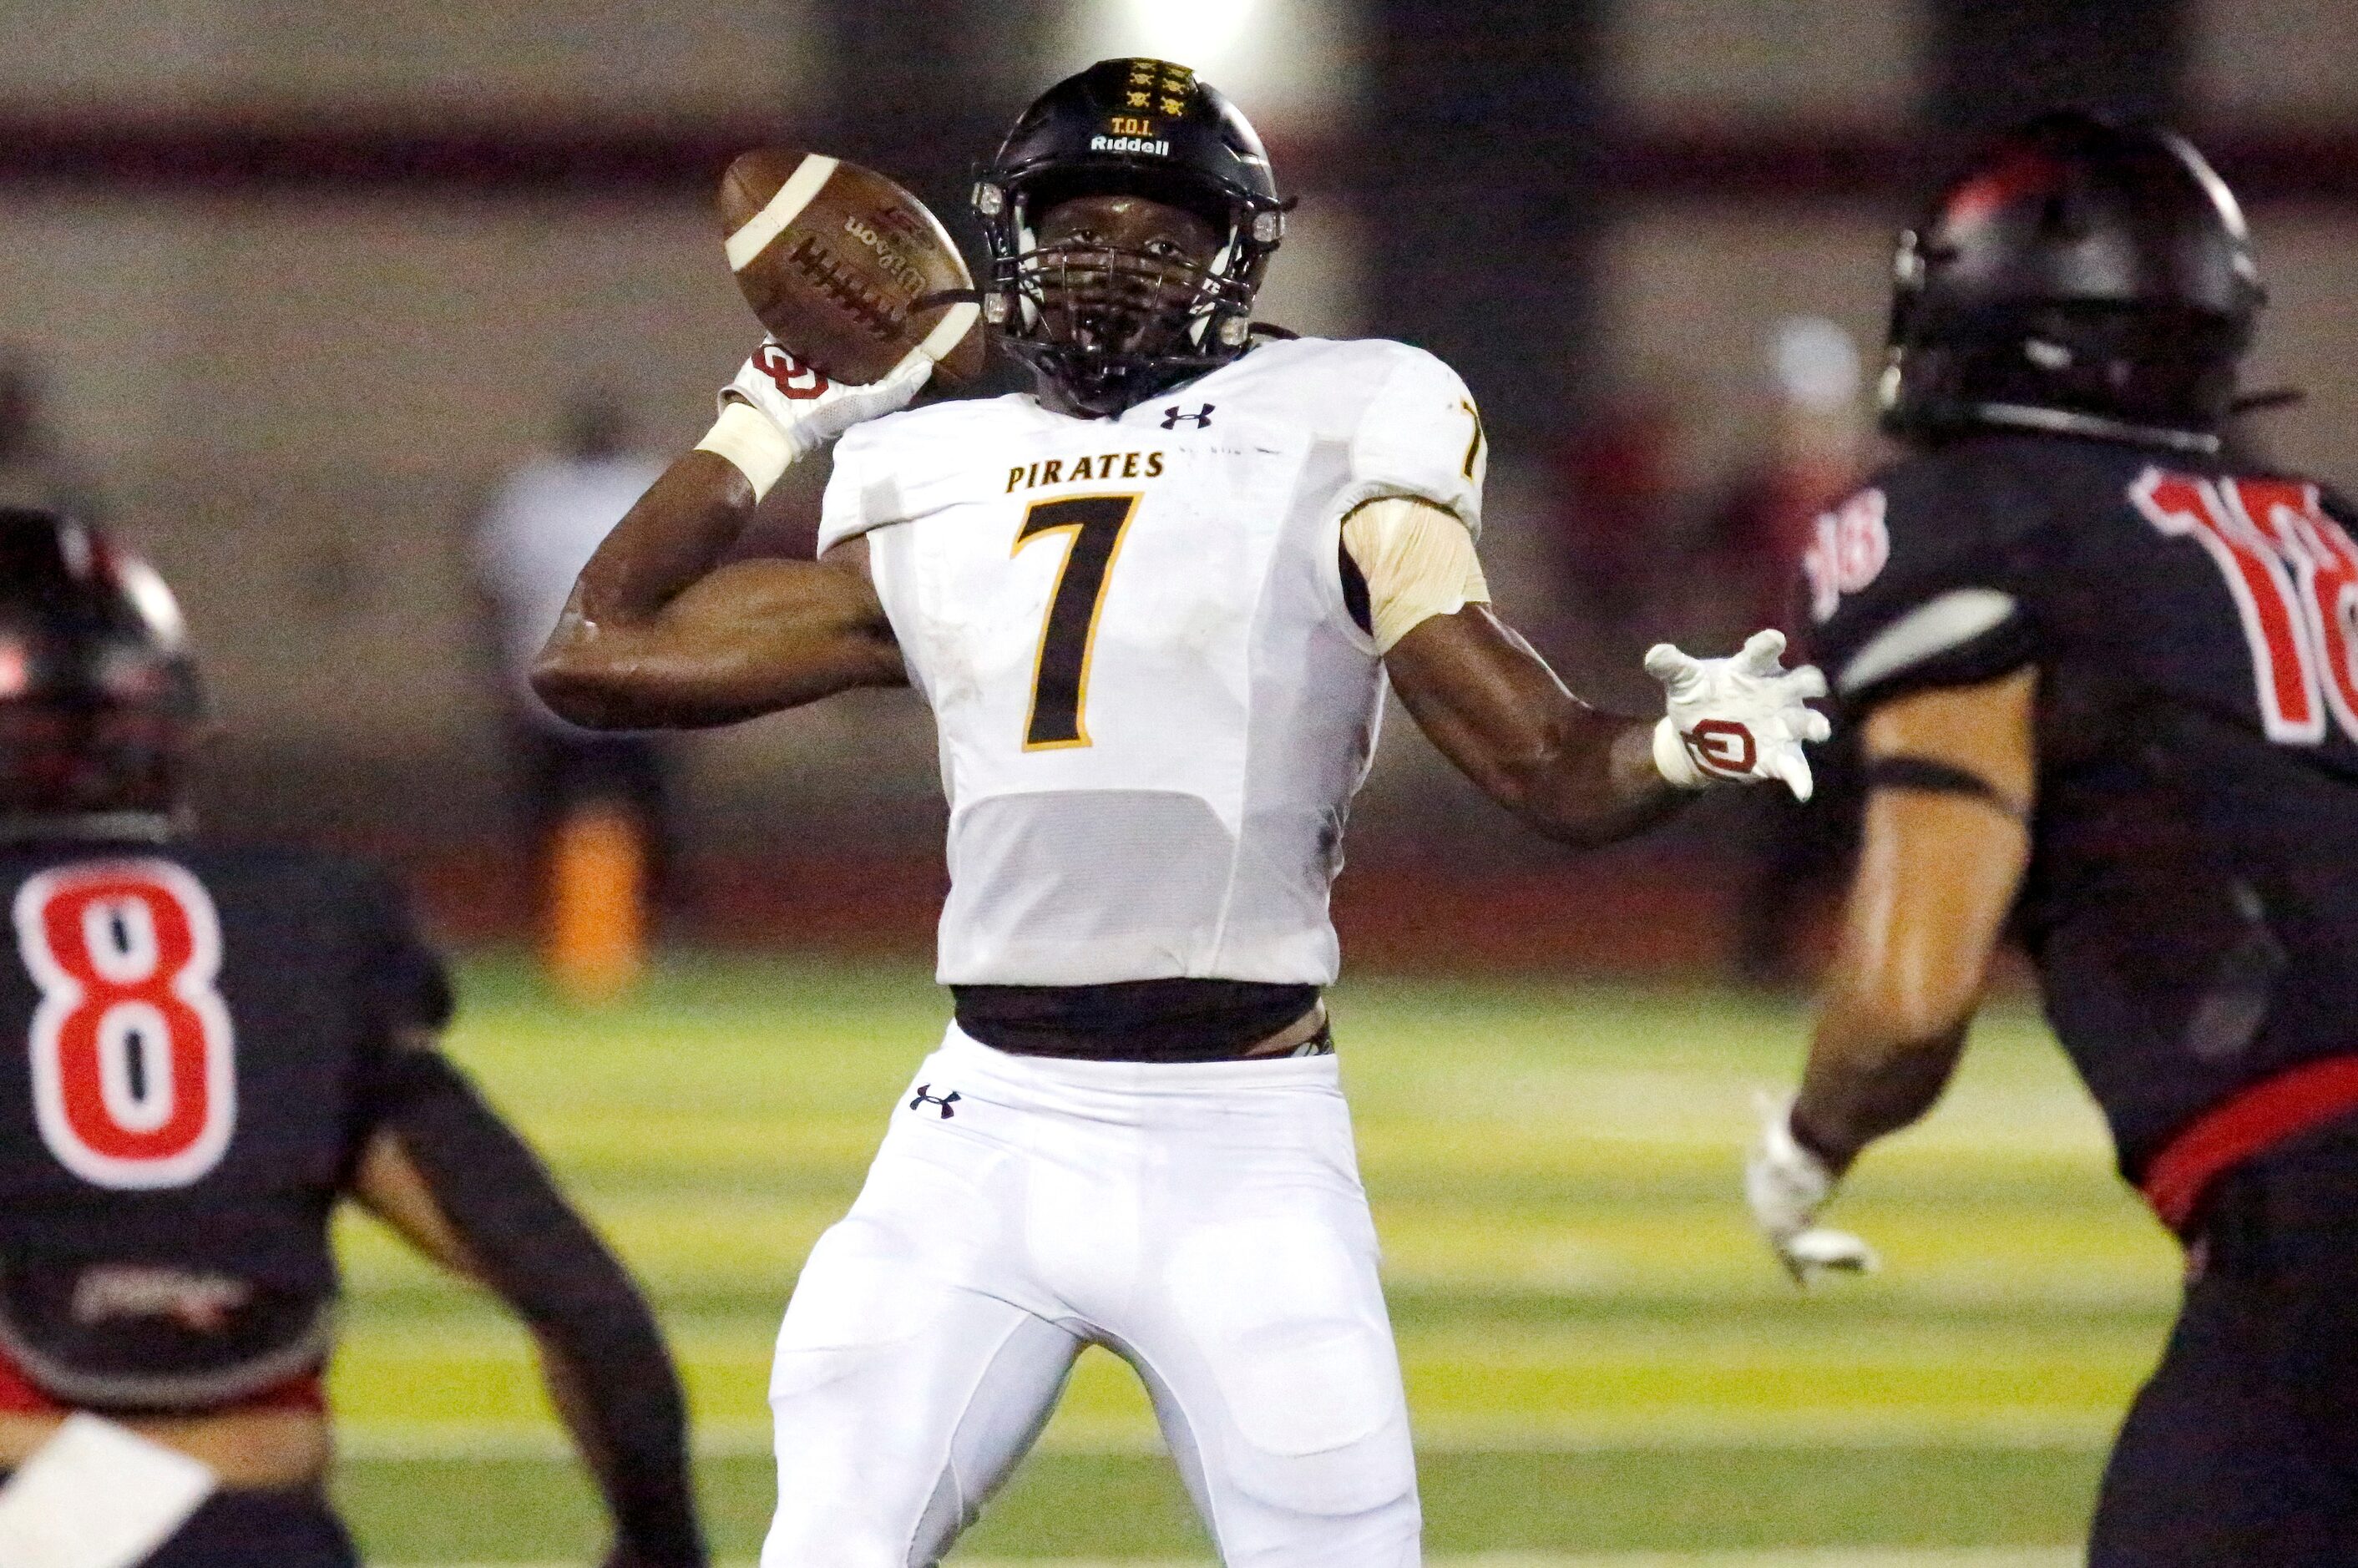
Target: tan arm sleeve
[(1419, 562), (753, 446), (1936, 876)]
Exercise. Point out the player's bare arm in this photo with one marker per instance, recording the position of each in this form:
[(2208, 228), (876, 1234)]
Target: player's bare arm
[(1938, 871), (658, 634), (1493, 708), (1942, 852), (672, 536), (734, 643)]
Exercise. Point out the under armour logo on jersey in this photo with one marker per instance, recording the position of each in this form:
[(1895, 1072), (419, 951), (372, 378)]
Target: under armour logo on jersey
[(926, 1097), (1172, 415)]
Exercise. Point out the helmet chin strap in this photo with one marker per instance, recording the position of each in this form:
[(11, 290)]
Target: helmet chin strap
[(2065, 422)]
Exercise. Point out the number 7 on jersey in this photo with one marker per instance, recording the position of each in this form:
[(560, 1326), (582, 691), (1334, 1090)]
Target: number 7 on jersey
[(1068, 633)]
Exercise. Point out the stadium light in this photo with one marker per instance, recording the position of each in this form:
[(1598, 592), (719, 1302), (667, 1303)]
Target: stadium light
[(1209, 35), (1283, 59), (1816, 362)]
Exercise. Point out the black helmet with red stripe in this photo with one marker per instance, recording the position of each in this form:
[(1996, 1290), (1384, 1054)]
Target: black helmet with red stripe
[(2083, 275), (99, 704), (1076, 313)]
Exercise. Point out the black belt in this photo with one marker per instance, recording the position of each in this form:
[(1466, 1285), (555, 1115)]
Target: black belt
[(1133, 1020)]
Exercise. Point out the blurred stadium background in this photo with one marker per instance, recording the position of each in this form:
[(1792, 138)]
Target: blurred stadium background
[(288, 286)]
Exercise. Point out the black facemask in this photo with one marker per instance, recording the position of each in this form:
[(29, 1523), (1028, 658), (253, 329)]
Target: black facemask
[(1110, 325)]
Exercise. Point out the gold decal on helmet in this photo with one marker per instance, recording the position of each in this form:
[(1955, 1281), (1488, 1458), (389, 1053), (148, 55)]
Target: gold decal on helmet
[(1128, 125)]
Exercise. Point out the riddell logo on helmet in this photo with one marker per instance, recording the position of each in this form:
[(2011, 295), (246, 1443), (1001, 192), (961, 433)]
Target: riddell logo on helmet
[(1129, 144)]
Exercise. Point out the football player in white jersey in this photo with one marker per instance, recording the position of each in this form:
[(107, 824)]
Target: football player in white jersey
[(1154, 607)]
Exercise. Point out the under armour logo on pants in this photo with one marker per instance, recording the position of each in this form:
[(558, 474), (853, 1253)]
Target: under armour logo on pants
[(926, 1097)]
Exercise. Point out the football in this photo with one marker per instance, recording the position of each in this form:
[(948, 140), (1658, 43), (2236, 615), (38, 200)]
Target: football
[(846, 268)]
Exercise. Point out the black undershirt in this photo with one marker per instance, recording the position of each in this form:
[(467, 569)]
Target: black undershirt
[(1131, 1021), (1147, 1020)]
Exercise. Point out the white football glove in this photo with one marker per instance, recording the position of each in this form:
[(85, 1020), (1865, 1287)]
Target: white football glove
[(1787, 1185), (808, 409), (1740, 720)]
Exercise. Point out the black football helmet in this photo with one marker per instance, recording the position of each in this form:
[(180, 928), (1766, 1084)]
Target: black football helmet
[(99, 705), (1109, 326), (2082, 276)]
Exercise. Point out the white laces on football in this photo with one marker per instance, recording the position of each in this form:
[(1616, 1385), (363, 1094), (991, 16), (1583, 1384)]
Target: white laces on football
[(1739, 720)]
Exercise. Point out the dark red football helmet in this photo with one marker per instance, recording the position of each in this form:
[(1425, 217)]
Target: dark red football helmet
[(99, 705), (2081, 276)]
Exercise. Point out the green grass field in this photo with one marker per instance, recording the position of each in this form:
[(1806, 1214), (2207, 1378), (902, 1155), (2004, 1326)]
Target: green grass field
[(1602, 1360)]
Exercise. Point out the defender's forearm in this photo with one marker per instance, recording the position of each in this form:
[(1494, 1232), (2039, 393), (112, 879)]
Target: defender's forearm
[(471, 1194), (1862, 1084), (1936, 875)]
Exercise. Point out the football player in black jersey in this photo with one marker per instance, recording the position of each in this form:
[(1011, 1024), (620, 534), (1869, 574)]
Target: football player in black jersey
[(202, 1050), (2104, 678)]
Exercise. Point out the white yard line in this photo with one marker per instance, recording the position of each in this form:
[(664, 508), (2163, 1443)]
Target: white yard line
[(1894, 1557), (2028, 1432)]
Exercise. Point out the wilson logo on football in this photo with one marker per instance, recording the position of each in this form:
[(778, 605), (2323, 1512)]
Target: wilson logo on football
[(793, 378), (1849, 551), (1722, 746)]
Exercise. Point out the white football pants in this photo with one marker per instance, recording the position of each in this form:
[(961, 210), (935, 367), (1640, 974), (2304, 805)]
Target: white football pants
[(1203, 1220)]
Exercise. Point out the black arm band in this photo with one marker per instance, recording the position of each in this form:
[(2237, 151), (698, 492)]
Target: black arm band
[(1927, 777), (541, 1257)]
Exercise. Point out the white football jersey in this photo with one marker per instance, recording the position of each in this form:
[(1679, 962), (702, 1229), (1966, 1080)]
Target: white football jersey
[(1153, 703)]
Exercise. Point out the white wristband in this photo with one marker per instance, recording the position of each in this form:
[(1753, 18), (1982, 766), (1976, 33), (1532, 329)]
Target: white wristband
[(753, 446), (1670, 758)]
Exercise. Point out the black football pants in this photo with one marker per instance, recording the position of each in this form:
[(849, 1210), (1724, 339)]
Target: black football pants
[(2242, 1449)]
